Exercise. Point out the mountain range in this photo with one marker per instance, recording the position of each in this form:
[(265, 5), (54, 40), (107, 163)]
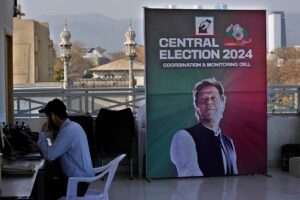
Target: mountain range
[(96, 30)]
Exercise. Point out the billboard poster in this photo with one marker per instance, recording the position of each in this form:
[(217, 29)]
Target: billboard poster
[(205, 92)]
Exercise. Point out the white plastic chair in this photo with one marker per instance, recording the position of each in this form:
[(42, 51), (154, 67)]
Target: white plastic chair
[(109, 169)]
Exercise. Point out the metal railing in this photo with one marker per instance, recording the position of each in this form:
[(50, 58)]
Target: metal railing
[(283, 98), (27, 102)]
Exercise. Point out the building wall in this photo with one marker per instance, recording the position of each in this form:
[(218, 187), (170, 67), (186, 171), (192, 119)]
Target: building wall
[(6, 27), (45, 46), (276, 36), (33, 51), (282, 129), (139, 77), (23, 47)]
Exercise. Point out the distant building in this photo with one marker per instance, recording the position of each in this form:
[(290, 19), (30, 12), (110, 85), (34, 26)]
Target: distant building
[(119, 70), (221, 6), (198, 6), (276, 30), (96, 56), (33, 51)]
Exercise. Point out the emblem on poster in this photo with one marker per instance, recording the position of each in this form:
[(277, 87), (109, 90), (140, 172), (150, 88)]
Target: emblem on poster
[(204, 25), (236, 35)]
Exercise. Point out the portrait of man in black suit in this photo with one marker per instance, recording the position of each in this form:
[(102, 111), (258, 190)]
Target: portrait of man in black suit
[(203, 149)]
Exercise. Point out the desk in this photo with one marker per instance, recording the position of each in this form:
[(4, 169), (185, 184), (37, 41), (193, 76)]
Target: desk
[(21, 187)]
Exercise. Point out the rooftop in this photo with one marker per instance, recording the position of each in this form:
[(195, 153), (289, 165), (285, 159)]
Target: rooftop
[(121, 64)]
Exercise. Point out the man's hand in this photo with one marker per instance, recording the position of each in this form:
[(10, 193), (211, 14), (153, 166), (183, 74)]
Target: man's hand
[(45, 127), (33, 146)]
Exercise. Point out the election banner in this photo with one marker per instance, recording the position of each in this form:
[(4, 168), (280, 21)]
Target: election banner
[(205, 92)]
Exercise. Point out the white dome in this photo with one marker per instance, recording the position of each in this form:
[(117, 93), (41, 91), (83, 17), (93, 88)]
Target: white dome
[(65, 37), (130, 34)]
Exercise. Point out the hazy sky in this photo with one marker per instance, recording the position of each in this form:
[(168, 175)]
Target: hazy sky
[(122, 9)]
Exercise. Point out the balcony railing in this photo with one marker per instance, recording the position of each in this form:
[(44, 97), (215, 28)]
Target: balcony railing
[(27, 102), (283, 98)]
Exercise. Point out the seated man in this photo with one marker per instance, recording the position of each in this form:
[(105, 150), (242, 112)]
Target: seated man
[(70, 147)]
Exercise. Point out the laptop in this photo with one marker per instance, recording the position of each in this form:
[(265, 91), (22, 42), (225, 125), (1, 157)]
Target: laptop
[(9, 151)]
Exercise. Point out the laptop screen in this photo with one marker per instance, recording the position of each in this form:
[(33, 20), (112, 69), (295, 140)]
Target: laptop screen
[(7, 147), (1, 140)]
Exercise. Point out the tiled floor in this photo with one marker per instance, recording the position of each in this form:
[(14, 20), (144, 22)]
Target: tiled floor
[(278, 186)]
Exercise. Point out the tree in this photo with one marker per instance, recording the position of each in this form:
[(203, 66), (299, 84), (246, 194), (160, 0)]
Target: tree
[(283, 67), (118, 55), (59, 75), (140, 52), (272, 72), (77, 63), (288, 53), (140, 55), (58, 67)]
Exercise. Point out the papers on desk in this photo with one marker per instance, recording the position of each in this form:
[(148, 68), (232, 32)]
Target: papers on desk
[(26, 156), (18, 169)]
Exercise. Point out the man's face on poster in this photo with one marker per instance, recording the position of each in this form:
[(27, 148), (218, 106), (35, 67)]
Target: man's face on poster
[(210, 104)]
